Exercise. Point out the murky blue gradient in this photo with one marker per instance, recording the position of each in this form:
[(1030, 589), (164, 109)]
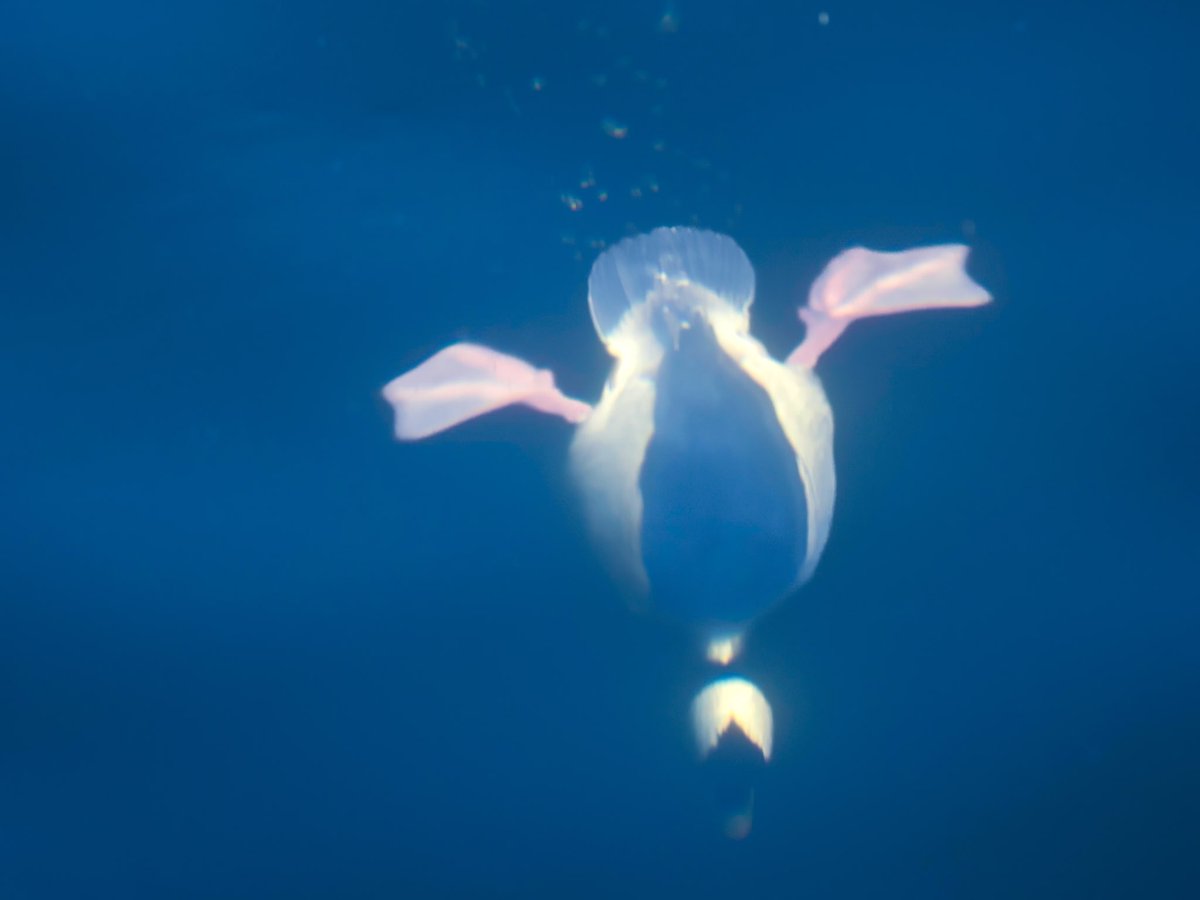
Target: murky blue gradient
[(250, 647)]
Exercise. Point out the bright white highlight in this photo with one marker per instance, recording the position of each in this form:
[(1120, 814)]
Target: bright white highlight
[(724, 650), (732, 701)]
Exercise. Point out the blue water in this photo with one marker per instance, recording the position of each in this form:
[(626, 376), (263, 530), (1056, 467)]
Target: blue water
[(250, 647)]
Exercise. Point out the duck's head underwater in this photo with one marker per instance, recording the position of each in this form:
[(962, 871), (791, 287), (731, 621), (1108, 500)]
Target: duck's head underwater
[(706, 467)]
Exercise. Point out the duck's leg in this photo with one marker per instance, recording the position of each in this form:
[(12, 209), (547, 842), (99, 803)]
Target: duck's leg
[(466, 380), (858, 283)]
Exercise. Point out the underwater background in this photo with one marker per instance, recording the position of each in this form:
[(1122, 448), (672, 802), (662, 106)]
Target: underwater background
[(251, 647)]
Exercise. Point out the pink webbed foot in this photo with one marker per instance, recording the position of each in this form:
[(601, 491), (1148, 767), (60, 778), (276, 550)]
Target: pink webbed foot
[(467, 380), (858, 283)]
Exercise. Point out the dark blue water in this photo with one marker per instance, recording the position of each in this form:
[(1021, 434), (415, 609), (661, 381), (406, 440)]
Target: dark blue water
[(250, 647)]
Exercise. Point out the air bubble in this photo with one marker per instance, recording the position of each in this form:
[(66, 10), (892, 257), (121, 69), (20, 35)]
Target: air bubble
[(615, 129)]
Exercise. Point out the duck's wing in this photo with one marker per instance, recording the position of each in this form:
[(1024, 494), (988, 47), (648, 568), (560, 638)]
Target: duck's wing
[(467, 380), (858, 283)]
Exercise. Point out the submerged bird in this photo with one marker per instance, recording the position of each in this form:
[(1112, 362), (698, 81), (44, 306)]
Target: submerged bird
[(706, 468)]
